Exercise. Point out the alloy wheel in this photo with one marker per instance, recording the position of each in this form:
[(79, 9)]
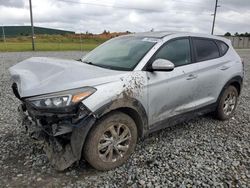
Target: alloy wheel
[(114, 142), (229, 103)]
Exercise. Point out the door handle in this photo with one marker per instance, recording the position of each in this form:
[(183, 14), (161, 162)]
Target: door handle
[(191, 77), (224, 68)]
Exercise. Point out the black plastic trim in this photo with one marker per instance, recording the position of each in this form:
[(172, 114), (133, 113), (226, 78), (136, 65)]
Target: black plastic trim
[(15, 90), (180, 118), (221, 54)]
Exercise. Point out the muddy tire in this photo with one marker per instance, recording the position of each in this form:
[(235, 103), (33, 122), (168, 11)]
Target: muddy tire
[(227, 103), (111, 141)]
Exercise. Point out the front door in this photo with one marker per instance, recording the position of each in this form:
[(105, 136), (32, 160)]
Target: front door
[(171, 93)]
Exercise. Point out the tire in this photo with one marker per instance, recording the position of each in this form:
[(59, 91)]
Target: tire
[(102, 141), (227, 105)]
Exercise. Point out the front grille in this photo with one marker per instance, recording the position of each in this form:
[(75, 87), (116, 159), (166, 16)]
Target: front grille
[(15, 90)]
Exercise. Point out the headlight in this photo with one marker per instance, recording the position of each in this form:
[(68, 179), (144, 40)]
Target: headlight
[(62, 99)]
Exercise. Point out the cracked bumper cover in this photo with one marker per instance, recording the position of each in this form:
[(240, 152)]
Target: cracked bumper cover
[(60, 154)]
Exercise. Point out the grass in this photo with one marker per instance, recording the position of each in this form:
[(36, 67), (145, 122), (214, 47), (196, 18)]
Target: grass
[(48, 46), (50, 43)]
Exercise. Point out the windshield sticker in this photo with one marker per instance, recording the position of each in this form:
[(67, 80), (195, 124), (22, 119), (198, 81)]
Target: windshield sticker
[(151, 40)]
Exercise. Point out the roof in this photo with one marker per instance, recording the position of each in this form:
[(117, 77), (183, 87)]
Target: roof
[(154, 34), (162, 34)]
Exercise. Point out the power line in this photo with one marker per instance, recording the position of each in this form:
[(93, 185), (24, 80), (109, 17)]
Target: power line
[(143, 9), (191, 3), (120, 7), (108, 5), (230, 8)]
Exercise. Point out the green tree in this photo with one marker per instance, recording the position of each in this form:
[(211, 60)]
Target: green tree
[(247, 34), (105, 32), (236, 34), (228, 34)]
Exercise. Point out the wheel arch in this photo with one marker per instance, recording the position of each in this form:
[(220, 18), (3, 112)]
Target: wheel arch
[(236, 82), (131, 107), (237, 85)]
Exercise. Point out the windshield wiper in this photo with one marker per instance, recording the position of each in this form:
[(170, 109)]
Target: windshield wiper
[(99, 65), (88, 62)]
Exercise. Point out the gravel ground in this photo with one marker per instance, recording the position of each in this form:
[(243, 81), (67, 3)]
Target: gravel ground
[(203, 152)]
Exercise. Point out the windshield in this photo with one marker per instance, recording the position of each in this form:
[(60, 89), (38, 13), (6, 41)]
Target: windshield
[(122, 53)]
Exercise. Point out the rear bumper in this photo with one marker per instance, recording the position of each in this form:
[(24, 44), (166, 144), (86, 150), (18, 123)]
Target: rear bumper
[(63, 141)]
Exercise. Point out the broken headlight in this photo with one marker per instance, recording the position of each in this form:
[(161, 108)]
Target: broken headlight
[(62, 99)]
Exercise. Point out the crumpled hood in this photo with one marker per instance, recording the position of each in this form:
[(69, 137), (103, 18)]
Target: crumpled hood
[(41, 75)]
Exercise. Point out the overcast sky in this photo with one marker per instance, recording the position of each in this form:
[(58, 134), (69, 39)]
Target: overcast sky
[(129, 15)]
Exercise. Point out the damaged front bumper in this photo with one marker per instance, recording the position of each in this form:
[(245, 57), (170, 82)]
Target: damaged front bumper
[(63, 135)]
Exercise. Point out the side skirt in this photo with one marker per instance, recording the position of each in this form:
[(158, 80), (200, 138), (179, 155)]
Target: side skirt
[(181, 118)]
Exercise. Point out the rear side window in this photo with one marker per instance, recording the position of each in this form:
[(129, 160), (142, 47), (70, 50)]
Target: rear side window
[(223, 47), (176, 51), (205, 49)]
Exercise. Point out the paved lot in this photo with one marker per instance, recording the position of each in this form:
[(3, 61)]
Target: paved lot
[(203, 152)]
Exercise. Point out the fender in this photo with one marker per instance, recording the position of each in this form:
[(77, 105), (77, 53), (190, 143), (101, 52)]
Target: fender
[(128, 105)]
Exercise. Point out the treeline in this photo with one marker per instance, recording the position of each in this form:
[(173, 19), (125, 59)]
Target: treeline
[(228, 34)]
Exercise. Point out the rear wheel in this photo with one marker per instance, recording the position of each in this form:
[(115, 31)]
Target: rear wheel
[(111, 141), (227, 103)]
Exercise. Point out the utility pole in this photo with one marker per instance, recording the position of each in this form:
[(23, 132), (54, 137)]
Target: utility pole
[(3, 34), (215, 11), (32, 26), (4, 39), (81, 40)]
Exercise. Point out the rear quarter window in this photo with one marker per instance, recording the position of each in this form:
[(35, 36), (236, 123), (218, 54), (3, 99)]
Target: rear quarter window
[(205, 49), (223, 47)]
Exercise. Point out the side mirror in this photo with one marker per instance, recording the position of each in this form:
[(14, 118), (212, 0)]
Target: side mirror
[(162, 65)]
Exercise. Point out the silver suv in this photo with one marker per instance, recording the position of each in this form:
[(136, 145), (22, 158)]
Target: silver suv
[(96, 108)]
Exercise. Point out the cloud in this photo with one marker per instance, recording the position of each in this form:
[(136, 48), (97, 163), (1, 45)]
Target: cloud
[(140, 15), (142, 5), (12, 3)]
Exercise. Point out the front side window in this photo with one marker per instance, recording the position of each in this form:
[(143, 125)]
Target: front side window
[(122, 53), (205, 49), (176, 51)]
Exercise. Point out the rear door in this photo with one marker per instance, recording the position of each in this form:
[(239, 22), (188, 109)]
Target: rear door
[(209, 70)]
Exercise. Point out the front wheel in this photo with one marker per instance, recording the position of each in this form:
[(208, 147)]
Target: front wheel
[(227, 103), (111, 141)]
